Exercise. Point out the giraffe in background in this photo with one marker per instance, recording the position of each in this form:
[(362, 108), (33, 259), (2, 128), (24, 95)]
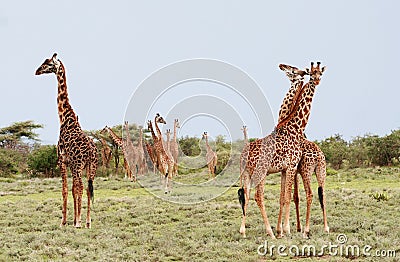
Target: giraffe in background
[(211, 157), (74, 149), (106, 153), (142, 166), (131, 153), (120, 143), (165, 164), (277, 152), (152, 155), (174, 147)]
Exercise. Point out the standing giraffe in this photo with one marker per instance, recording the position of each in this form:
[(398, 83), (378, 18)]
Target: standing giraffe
[(142, 166), (120, 143), (130, 149), (211, 157), (105, 153), (278, 152), (245, 138), (174, 147), (165, 163), (312, 156), (152, 155), (74, 149)]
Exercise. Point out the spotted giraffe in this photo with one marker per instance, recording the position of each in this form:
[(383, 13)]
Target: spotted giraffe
[(278, 152), (120, 143), (74, 149), (131, 152), (312, 158), (211, 157), (165, 163), (174, 147)]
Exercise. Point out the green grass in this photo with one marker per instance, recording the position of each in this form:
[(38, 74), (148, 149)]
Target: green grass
[(130, 223)]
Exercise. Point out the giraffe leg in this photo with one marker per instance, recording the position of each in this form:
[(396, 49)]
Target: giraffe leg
[(296, 201), (281, 205), (90, 192), (290, 174), (63, 169), (307, 187), (259, 197), (79, 203), (74, 195)]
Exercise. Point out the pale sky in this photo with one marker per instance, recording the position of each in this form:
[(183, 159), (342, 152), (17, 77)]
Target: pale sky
[(110, 47)]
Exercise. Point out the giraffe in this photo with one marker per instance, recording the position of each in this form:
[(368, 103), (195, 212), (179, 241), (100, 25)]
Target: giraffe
[(152, 155), (74, 149), (131, 151), (120, 143), (277, 152), (312, 157), (168, 150), (105, 153), (245, 138), (211, 157), (140, 152), (165, 163), (174, 145)]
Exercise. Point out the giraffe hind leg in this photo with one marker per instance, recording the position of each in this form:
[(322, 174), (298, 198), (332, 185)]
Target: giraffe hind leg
[(63, 169)]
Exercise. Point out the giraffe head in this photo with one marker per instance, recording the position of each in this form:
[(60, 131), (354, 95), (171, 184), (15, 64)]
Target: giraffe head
[(104, 130), (204, 136), (149, 125), (160, 119), (244, 129), (50, 65), (316, 72), (176, 122), (293, 73), (168, 132)]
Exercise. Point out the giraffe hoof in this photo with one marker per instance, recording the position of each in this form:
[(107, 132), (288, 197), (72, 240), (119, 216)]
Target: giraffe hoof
[(63, 223), (88, 225), (306, 235), (78, 225)]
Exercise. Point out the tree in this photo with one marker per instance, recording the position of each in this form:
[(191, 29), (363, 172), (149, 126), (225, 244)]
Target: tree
[(12, 136), (335, 149)]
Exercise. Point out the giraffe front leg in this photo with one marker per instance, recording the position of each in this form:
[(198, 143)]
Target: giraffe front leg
[(63, 169), (281, 205), (77, 191), (290, 175)]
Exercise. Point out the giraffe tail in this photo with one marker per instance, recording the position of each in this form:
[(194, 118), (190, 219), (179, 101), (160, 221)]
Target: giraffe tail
[(91, 189), (242, 199), (215, 169), (321, 196)]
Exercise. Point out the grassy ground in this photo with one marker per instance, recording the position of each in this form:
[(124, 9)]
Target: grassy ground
[(129, 223)]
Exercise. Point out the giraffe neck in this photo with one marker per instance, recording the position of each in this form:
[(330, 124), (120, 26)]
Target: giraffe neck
[(174, 137), (157, 129), (65, 110), (140, 143), (245, 136), (298, 117), (168, 141), (117, 140), (153, 135), (290, 99), (207, 145)]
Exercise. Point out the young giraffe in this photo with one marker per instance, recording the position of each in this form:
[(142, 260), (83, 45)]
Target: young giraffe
[(211, 157), (166, 164), (120, 143), (105, 153), (132, 154), (74, 149), (174, 147), (277, 152), (312, 157)]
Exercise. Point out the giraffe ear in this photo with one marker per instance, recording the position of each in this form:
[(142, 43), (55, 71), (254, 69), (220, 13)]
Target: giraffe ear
[(323, 69), (307, 71)]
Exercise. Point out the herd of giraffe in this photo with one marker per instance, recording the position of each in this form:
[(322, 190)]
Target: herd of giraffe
[(285, 150)]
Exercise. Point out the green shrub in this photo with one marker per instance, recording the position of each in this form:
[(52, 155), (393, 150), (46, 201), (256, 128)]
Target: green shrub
[(9, 162), (43, 161)]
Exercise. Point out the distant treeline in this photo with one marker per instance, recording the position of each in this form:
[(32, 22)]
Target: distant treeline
[(22, 153)]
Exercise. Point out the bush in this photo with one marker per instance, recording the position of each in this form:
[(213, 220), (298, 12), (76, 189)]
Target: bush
[(43, 161), (10, 162)]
